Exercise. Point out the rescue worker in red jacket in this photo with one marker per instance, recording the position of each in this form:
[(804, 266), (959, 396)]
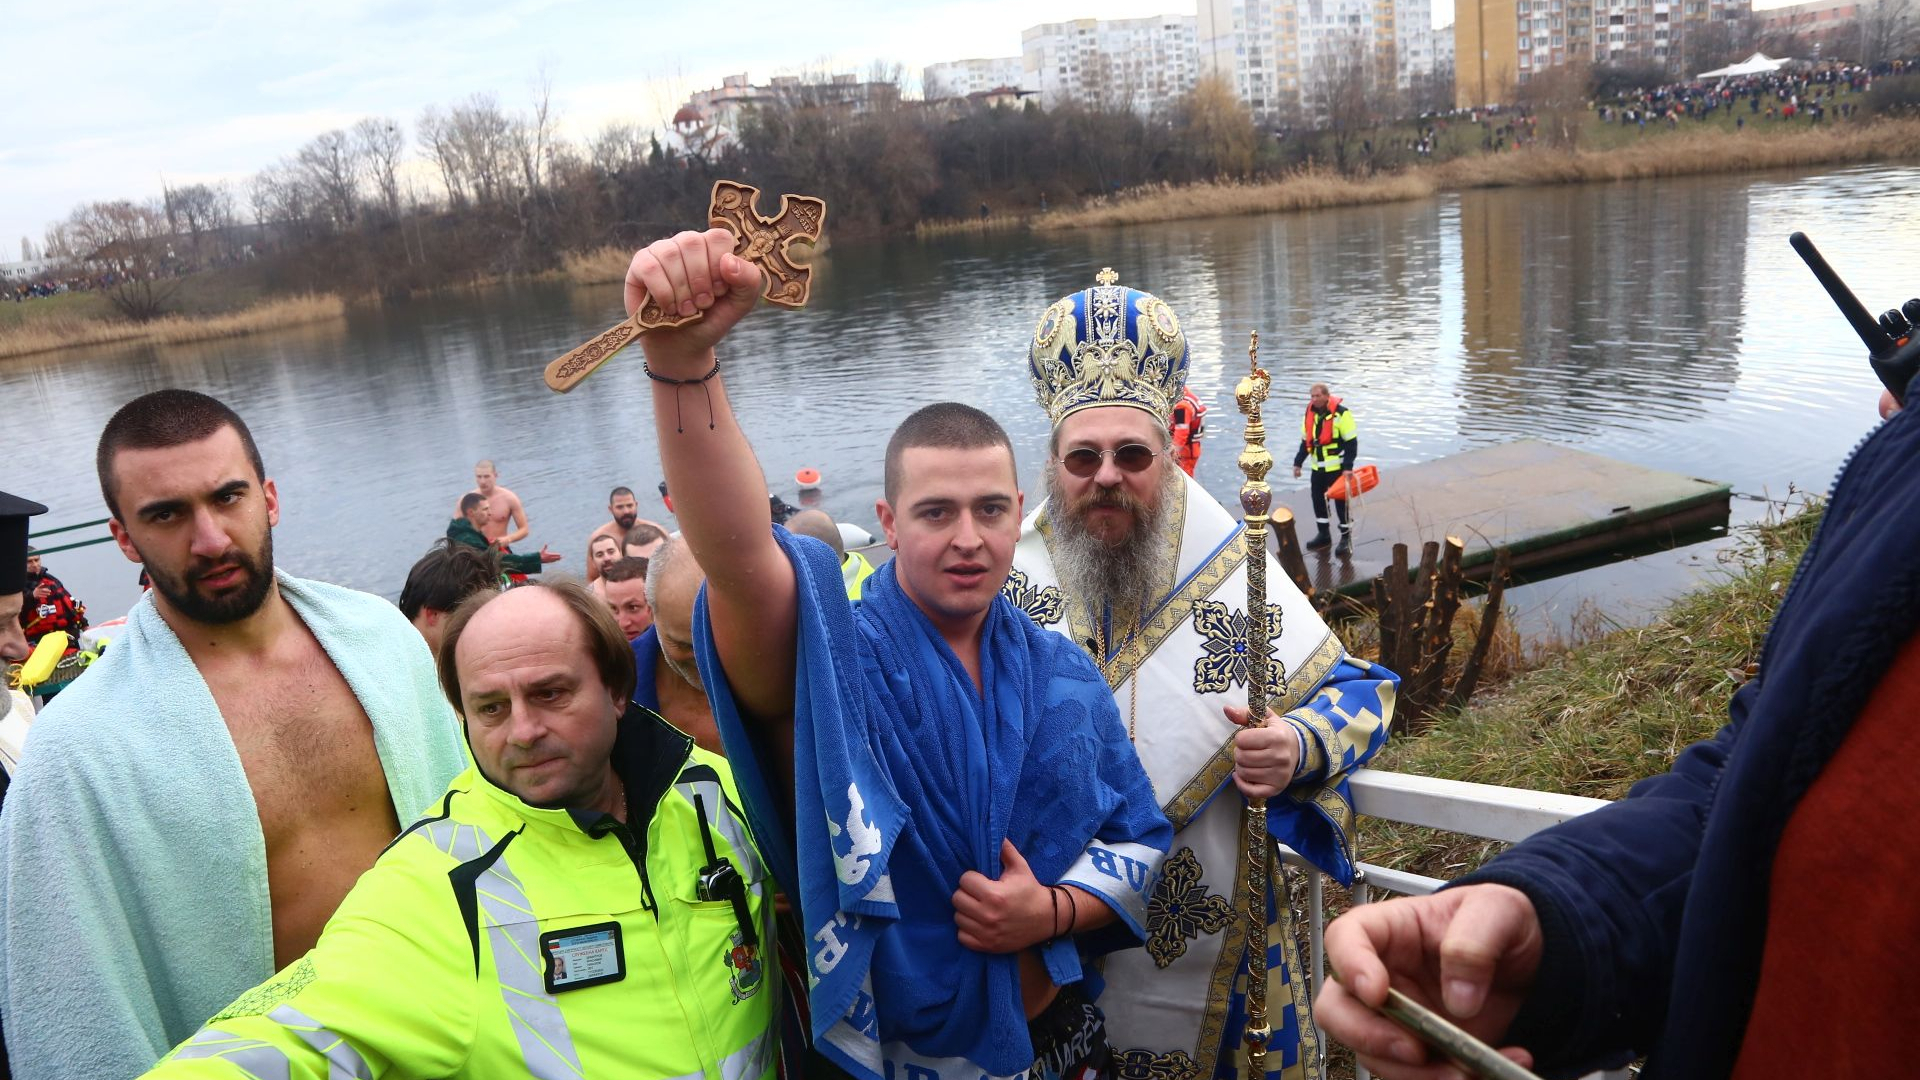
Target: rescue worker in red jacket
[(49, 606), (1186, 423), (1328, 436)]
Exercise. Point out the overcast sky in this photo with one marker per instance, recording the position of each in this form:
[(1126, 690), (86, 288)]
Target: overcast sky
[(105, 97)]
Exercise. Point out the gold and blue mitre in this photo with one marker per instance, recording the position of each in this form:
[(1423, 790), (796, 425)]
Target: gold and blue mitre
[(1108, 345)]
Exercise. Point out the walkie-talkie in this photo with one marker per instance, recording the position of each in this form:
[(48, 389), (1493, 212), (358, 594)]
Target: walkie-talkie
[(1893, 341)]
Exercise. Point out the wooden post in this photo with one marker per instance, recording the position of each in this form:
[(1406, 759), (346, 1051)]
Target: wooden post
[(1436, 636), (1489, 620), (1394, 614), (1286, 542)]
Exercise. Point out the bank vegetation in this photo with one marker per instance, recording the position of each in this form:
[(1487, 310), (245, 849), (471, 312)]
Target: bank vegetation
[(1606, 712), (477, 191), (27, 337)]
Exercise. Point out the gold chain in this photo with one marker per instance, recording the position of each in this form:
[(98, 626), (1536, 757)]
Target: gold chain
[(1110, 667)]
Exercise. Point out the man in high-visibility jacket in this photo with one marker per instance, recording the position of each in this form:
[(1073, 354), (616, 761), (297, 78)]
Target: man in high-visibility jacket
[(585, 900), (1329, 438)]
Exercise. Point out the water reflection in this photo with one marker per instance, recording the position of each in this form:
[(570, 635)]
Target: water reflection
[(1663, 322)]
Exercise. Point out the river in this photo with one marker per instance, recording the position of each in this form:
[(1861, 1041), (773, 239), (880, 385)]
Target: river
[(1662, 322)]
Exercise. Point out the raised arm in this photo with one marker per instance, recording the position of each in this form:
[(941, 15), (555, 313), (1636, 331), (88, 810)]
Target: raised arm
[(720, 492)]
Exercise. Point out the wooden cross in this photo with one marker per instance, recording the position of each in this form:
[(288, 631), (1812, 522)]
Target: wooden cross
[(767, 242)]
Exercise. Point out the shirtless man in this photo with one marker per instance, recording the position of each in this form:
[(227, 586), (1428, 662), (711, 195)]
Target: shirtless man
[(503, 506), (626, 514), (602, 551), (193, 811)]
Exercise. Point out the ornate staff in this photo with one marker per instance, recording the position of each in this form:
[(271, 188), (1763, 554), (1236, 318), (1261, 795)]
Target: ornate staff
[(1256, 500)]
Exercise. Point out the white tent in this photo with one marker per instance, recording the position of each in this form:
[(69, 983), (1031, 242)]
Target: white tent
[(1757, 64)]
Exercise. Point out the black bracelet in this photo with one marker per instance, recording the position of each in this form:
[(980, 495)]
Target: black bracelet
[(677, 384), (1053, 891), (1073, 910)]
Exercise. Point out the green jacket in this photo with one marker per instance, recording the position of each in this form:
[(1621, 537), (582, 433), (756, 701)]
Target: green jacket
[(461, 531), (496, 939)]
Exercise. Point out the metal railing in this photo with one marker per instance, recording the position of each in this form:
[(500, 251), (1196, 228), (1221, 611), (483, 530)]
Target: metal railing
[(1482, 810)]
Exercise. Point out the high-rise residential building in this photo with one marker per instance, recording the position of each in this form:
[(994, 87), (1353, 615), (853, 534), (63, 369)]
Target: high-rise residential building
[(711, 118), (1277, 52), (1252, 44), (1144, 64), (958, 78), (1501, 44)]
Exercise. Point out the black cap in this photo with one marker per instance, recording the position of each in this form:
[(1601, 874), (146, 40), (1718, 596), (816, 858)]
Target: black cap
[(14, 512)]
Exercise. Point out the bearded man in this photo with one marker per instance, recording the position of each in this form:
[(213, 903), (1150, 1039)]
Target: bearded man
[(1136, 563), (187, 817)]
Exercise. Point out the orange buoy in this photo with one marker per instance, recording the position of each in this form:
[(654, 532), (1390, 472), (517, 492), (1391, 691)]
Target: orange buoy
[(1366, 478), (807, 478)]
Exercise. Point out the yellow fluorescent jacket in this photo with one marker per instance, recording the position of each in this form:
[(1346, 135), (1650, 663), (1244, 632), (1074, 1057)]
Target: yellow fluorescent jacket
[(480, 945)]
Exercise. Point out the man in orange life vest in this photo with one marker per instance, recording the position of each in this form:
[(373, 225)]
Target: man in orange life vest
[(1329, 437)]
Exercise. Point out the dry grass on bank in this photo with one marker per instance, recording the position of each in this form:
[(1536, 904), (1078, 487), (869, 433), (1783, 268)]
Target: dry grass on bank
[(972, 226), (601, 266), (1698, 152), (1311, 188), (1605, 714), (66, 333)]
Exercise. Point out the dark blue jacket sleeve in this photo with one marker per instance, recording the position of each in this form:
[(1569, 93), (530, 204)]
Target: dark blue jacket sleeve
[(1609, 888)]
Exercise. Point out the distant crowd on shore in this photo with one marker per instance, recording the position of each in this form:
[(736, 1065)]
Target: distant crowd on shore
[(56, 285)]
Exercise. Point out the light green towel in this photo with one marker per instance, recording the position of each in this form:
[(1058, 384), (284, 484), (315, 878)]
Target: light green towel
[(133, 891)]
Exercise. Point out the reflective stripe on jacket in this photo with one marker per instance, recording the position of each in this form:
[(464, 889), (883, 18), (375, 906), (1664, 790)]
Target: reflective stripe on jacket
[(483, 944), (1328, 437)]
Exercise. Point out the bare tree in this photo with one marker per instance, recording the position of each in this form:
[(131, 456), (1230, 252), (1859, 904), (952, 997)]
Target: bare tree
[(1557, 98), (380, 144), (617, 146), (436, 135), (203, 212), (130, 242), (330, 165), (1887, 32), (481, 133), (1340, 93)]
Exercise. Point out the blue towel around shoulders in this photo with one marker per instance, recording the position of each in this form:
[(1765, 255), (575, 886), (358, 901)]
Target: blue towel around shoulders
[(919, 777)]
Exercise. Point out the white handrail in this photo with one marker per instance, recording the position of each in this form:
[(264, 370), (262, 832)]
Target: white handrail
[(1483, 810)]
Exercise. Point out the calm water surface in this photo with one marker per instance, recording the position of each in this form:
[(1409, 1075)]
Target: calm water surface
[(1664, 322)]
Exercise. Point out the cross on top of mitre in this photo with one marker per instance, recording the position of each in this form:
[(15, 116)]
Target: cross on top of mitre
[(1106, 276)]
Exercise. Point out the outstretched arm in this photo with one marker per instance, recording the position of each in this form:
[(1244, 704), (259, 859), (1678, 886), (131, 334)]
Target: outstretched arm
[(720, 491)]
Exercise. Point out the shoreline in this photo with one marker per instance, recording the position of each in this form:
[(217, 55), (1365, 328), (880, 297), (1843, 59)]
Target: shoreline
[(1605, 712), (1319, 187), (55, 334)]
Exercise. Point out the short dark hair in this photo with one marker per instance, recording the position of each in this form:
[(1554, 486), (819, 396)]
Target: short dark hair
[(629, 568), (606, 643), (161, 420), (643, 532), (470, 500), (446, 575), (944, 425), (617, 492)]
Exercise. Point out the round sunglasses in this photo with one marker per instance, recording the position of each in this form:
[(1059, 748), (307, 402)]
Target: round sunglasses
[(1085, 461)]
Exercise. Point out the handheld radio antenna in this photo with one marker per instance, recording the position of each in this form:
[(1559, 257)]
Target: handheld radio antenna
[(1879, 345)]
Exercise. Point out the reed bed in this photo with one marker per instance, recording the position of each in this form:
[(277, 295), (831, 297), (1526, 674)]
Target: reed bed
[(1309, 188), (601, 266), (1607, 713), (65, 333), (972, 226), (1697, 152)]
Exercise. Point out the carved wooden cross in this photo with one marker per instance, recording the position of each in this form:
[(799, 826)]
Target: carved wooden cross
[(765, 242)]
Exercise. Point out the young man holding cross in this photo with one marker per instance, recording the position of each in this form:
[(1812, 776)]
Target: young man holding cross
[(981, 802)]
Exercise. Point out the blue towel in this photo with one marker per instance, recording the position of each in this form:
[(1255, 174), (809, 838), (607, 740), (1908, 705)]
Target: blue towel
[(919, 778)]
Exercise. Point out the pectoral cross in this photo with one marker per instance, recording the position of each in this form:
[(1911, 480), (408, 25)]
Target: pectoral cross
[(767, 242)]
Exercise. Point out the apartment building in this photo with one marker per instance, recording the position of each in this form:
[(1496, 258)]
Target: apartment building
[(1145, 64), (959, 78)]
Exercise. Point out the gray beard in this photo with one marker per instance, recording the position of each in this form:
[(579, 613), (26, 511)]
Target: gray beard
[(1126, 576)]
